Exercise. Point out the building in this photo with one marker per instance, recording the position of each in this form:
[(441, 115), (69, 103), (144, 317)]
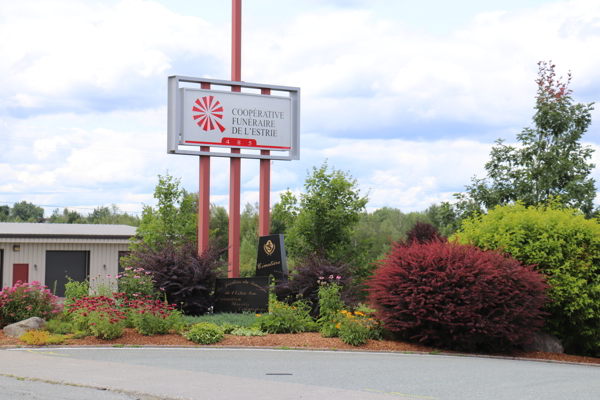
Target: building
[(50, 253)]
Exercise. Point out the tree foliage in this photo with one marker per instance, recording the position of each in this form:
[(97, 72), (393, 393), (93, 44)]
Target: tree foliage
[(550, 161), (564, 246), (174, 218), (324, 219), (26, 212)]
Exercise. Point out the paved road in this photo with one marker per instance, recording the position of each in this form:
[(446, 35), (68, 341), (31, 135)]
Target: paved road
[(248, 374)]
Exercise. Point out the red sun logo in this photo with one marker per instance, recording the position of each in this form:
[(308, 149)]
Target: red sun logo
[(209, 109)]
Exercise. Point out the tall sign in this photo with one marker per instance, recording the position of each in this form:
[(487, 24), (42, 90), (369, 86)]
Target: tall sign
[(203, 119), (239, 120)]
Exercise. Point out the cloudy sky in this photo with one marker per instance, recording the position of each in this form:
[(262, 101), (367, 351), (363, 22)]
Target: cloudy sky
[(406, 96)]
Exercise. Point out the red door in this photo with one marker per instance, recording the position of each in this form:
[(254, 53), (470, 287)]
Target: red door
[(20, 273)]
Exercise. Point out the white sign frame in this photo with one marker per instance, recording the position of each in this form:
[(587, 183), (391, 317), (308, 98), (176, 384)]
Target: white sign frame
[(175, 143)]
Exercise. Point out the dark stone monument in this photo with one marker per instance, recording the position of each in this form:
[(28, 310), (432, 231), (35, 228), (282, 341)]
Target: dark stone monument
[(237, 295), (271, 258)]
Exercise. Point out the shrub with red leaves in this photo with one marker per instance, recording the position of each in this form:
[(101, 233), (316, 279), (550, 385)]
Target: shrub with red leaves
[(188, 279), (422, 232), (307, 272), (457, 297)]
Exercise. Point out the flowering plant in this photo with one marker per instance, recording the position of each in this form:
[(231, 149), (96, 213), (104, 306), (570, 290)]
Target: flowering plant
[(26, 300), (150, 316), (137, 281), (330, 303), (98, 315), (355, 328)]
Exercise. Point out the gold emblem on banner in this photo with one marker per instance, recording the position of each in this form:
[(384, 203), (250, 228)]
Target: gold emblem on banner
[(269, 247)]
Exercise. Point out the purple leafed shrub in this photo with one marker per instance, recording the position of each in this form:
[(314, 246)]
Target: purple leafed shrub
[(303, 281), (422, 232), (188, 279), (457, 296)]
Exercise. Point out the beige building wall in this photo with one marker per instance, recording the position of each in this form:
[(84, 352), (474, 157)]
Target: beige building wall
[(103, 252)]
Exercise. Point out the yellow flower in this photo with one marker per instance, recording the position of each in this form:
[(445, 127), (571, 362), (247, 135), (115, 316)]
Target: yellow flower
[(338, 325), (258, 315)]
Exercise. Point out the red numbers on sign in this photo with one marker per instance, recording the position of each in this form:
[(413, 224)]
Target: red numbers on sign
[(239, 142)]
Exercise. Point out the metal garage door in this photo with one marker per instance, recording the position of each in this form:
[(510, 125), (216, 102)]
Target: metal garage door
[(60, 264)]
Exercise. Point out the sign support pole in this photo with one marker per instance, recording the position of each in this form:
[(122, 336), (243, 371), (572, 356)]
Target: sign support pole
[(265, 187), (203, 215), (233, 270)]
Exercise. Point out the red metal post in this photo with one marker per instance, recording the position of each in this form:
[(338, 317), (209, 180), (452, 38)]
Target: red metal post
[(265, 187), (233, 270), (203, 215)]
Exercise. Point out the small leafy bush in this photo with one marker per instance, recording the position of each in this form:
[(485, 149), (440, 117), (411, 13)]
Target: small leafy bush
[(562, 245), (248, 332), (287, 318), (356, 328), (204, 333), (59, 326), (75, 290), (457, 296), (26, 300), (41, 338), (304, 281), (188, 279), (422, 232)]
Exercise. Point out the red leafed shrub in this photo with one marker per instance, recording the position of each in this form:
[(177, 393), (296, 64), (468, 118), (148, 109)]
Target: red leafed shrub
[(457, 296), (422, 232)]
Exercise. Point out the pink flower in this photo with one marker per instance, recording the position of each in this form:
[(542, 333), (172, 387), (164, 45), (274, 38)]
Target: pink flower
[(136, 277), (109, 276), (338, 277)]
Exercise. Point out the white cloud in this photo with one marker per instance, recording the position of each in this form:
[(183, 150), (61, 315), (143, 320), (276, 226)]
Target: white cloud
[(411, 114)]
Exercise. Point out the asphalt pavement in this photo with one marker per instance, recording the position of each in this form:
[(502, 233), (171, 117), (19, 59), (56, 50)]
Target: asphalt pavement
[(249, 374)]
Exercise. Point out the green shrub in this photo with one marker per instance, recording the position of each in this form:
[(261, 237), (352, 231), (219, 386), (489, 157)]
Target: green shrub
[(59, 326), (248, 332), (75, 290), (204, 333), (287, 318), (354, 333), (566, 248)]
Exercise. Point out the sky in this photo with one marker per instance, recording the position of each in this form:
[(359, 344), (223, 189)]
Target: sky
[(407, 97)]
